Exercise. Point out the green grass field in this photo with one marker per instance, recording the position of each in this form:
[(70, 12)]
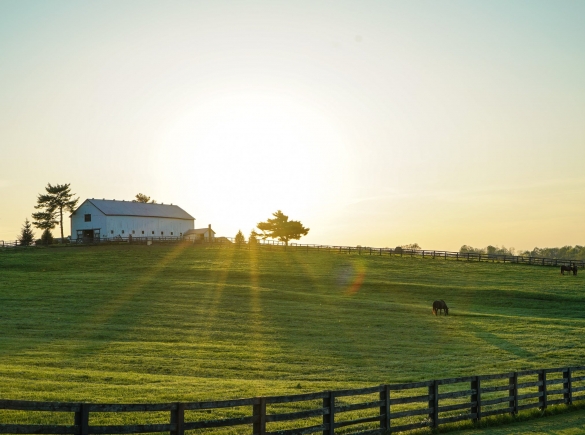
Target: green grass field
[(155, 324)]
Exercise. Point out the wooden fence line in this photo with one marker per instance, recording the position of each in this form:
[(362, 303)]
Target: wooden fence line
[(424, 253), (228, 242), (445, 401)]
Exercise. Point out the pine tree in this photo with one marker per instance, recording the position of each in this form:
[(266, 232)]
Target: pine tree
[(47, 237), (253, 239), (240, 238), (57, 199), (26, 236)]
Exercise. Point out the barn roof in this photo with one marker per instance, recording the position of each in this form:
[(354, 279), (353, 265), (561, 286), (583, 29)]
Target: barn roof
[(111, 207), (198, 231)]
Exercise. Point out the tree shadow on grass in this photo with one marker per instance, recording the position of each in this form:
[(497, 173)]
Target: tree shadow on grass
[(503, 344)]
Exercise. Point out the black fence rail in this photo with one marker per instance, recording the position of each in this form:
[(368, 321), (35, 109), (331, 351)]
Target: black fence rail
[(381, 409)]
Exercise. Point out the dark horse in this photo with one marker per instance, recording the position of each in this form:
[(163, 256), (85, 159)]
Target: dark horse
[(569, 269), (440, 305)]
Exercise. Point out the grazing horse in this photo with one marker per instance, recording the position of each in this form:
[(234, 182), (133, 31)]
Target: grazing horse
[(440, 305), (569, 269)]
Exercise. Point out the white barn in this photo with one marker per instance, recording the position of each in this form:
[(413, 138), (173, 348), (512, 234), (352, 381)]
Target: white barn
[(104, 218)]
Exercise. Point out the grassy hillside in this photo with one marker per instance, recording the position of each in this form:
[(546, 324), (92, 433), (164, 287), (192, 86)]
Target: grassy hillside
[(153, 324), (169, 323)]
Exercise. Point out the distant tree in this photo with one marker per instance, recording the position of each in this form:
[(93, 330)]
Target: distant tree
[(26, 236), (489, 250), (281, 228), (496, 250), (57, 199), (253, 238), (47, 237), (140, 197), (466, 249), (412, 247), (240, 238)]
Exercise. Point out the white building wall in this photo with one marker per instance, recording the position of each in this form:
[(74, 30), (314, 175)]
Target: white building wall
[(98, 220), (139, 226)]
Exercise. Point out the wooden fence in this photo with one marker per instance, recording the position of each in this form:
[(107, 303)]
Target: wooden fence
[(375, 410), (228, 242), (366, 250)]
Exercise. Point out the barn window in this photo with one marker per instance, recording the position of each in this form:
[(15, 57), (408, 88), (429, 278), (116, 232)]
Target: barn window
[(132, 231), (122, 231), (162, 232), (87, 218), (153, 232), (112, 231), (142, 232), (171, 233)]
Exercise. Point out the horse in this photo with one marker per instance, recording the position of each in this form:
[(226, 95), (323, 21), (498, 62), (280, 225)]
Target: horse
[(569, 269), (440, 305)]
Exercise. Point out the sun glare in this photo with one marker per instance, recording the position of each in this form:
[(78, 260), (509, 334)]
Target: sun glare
[(256, 154)]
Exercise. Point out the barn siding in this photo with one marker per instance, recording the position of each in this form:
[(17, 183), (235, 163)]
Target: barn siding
[(115, 225)]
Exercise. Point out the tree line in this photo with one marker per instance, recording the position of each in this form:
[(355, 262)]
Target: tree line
[(576, 252)]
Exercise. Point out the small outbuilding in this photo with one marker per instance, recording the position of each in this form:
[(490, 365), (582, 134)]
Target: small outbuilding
[(99, 219), (200, 235)]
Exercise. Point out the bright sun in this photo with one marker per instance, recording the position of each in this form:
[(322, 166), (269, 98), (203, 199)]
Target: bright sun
[(246, 155)]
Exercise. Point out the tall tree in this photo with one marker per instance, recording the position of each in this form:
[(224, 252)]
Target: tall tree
[(57, 199), (26, 236), (44, 220), (141, 197), (282, 229)]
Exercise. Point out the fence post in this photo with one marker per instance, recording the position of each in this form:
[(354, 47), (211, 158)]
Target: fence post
[(513, 393), (82, 419), (259, 411), (476, 397), (385, 408), (178, 419), (434, 404), (329, 419), (542, 389), (568, 384)]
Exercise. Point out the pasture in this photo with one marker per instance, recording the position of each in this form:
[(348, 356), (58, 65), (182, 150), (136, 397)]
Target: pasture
[(177, 323)]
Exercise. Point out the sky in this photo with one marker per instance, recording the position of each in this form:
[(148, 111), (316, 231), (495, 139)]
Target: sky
[(378, 123)]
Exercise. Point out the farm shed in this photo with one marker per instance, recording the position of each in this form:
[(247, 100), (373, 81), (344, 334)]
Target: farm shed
[(200, 235), (105, 218)]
